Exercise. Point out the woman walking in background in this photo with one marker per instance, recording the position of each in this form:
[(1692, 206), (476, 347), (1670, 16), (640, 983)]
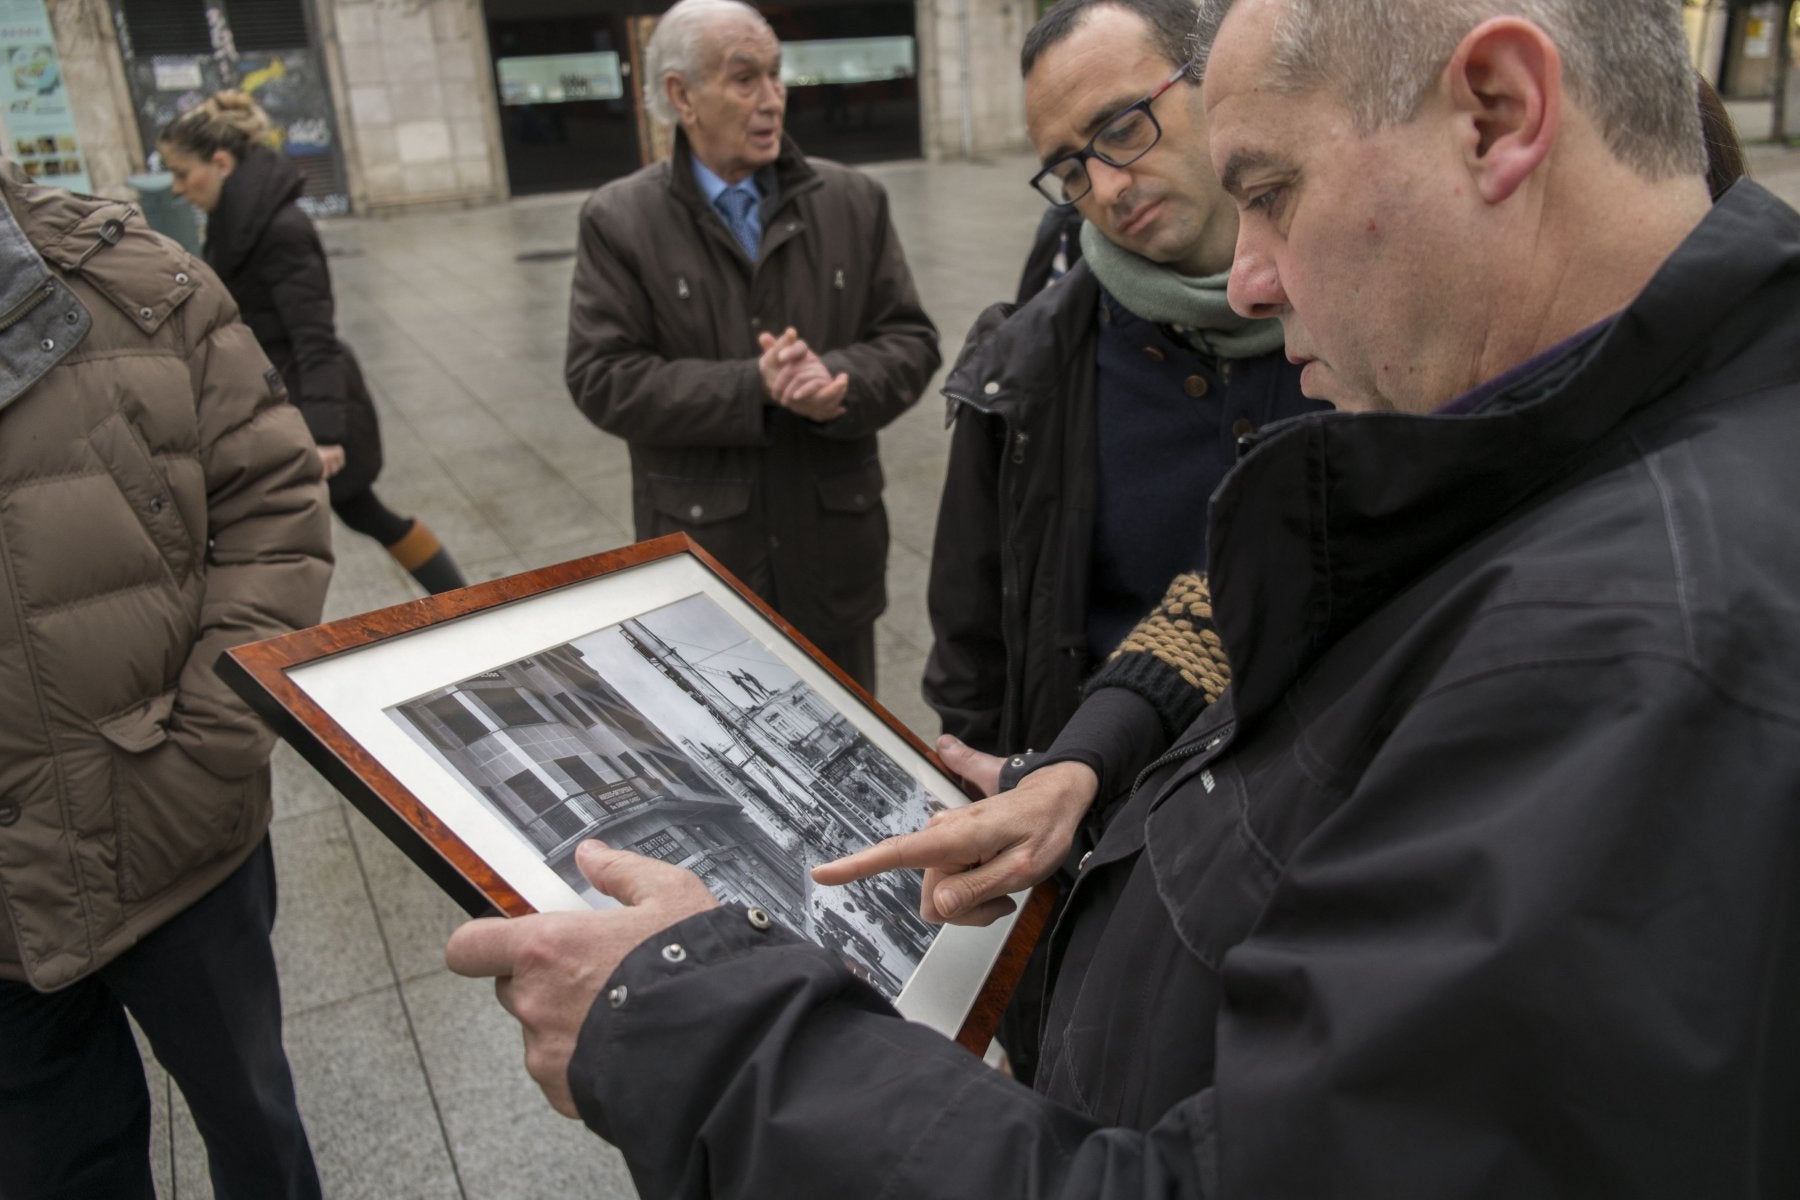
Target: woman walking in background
[(268, 253)]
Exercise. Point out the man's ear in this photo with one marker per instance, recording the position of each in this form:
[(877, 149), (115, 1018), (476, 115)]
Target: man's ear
[(1505, 80), (676, 89)]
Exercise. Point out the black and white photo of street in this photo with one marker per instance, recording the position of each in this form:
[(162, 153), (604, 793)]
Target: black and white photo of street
[(677, 734)]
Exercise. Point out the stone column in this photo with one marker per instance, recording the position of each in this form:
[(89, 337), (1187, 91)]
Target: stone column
[(971, 99), (414, 92), (94, 73)]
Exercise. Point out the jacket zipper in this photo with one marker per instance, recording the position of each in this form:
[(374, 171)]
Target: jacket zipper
[(1180, 754), (28, 305), (1009, 578), (1012, 453)]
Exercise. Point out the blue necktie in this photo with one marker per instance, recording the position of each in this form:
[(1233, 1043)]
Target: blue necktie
[(738, 207)]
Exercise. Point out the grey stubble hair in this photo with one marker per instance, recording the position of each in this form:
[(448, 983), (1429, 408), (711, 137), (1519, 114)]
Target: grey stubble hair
[(1625, 61)]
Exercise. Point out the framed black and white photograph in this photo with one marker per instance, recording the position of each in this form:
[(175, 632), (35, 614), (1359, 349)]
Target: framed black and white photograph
[(644, 698)]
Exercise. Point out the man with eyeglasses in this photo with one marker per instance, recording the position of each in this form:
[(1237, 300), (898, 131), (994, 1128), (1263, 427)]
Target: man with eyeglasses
[(1093, 423)]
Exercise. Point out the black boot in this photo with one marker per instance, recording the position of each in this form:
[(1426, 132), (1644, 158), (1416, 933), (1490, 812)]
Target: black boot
[(426, 560), (439, 574)]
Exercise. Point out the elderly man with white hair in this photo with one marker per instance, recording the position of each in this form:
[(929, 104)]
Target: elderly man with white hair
[(743, 317)]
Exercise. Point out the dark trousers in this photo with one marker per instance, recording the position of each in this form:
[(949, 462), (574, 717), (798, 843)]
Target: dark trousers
[(74, 1108), (855, 653), (364, 512)]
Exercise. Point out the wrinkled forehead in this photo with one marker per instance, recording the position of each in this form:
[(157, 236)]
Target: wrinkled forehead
[(1081, 83), (1250, 115), (734, 39), (1241, 57)]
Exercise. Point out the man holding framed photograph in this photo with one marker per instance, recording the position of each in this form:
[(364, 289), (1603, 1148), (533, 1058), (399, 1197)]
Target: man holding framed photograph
[(1478, 880)]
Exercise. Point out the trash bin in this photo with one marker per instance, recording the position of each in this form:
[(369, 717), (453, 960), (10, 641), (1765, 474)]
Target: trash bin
[(166, 212)]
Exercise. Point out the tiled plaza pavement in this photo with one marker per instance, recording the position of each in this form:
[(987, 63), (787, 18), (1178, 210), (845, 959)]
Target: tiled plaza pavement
[(411, 1080)]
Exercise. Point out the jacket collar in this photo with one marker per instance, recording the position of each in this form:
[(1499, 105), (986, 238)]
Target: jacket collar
[(41, 320), (1017, 355), (1332, 514), (256, 190), (790, 176)]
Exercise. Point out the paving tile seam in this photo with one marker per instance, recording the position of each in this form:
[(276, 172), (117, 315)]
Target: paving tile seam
[(406, 1014)]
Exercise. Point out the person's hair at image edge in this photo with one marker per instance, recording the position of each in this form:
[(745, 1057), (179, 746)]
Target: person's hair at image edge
[(1171, 25), (676, 47), (228, 120), (1624, 61), (1725, 163)]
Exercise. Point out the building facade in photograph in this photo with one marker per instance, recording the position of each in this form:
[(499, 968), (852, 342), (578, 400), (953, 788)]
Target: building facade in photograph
[(557, 751), (742, 793)]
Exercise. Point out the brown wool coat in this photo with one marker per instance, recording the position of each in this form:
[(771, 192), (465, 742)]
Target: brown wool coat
[(663, 321), (159, 502)]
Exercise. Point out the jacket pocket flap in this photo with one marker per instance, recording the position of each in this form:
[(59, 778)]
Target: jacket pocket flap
[(698, 501), (141, 727), (852, 491)]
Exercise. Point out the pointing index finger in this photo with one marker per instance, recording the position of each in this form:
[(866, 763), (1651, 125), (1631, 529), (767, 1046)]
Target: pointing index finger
[(929, 847)]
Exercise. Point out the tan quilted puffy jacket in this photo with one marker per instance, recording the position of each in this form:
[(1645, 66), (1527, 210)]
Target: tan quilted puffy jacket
[(159, 501)]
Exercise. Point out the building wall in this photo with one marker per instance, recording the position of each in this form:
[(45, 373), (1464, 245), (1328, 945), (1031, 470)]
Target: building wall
[(972, 101), (95, 76), (418, 118), (415, 97)]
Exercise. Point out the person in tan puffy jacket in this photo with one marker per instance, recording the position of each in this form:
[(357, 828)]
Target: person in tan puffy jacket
[(159, 502)]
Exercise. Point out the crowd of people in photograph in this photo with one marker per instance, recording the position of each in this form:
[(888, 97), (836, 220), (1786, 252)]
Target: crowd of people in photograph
[(1359, 588)]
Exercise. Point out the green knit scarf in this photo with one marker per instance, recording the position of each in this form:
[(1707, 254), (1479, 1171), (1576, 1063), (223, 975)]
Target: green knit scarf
[(1196, 309)]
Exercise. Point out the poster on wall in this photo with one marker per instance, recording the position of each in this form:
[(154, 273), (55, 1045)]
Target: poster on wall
[(40, 125), (288, 82)]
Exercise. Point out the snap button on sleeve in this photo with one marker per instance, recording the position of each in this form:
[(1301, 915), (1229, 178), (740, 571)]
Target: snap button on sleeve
[(616, 997), (675, 952), (146, 313), (992, 388), (181, 277), (47, 345), (758, 918)]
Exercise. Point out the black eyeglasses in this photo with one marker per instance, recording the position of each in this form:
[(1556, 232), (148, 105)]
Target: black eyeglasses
[(1121, 142)]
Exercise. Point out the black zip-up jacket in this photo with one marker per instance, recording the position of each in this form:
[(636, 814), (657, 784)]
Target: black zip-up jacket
[(1013, 555), (1478, 882), (270, 258)]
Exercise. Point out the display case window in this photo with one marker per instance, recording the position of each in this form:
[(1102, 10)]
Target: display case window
[(847, 60), (560, 78)]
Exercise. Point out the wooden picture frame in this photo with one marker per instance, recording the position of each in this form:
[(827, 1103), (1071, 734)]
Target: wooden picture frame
[(645, 696)]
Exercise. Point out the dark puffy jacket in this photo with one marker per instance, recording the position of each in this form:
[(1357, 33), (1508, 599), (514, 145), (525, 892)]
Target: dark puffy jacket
[(1479, 882), (663, 321), (1013, 556), (268, 253)]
